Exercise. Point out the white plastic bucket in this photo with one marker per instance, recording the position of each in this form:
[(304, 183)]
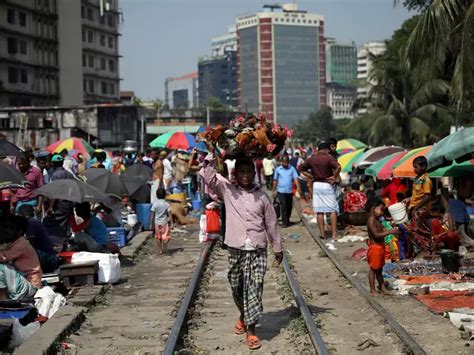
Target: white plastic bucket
[(399, 213), (131, 219)]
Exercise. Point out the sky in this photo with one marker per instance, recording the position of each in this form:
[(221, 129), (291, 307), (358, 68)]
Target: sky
[(165, 38)]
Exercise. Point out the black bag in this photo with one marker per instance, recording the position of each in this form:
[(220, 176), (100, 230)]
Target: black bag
[(276, 206)]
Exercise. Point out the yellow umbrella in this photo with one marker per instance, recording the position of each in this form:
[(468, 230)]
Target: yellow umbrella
[(347, 160)]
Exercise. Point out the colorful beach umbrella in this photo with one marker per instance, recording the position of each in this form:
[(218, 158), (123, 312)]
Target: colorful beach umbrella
[(72, 143), (455, 170), (382, 169), (343, 151), (375, 154), (174, 140), (404, 167), (350, 143), (347, 160), (458, 146)]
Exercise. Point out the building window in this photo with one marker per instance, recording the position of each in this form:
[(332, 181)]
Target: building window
[(90, 36), (111, 42), (103, 87), (84, 60), (12, 75), (91, 86), (11, 18), (112, 89), (83, 12), (12, 46), (84, 85), (102, 19), (91, 61), (102, 63), (90, 14), (22, 19), (110, 20), (102, 40), (84, 35), (111, 65), (22, 47)]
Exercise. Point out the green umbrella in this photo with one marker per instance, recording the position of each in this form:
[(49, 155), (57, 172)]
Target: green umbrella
[(457, 146), (160, 141), (455, 170)]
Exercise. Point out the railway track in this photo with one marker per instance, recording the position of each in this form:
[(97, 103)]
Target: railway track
[(410, 344), (205, 319)]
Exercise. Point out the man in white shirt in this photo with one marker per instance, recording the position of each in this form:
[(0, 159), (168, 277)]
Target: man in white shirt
[(269, 166), (168, 169)]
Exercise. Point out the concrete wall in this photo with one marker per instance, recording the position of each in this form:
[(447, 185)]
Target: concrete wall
[(70, 52)]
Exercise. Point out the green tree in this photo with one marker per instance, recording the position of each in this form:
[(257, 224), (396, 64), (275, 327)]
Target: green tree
[(442, 43), (216, 105), (319, 126)]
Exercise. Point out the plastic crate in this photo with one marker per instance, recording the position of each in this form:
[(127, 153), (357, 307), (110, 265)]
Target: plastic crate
[(117, 235)]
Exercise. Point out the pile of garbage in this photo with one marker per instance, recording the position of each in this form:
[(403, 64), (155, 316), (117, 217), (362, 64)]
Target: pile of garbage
[(252, 137)]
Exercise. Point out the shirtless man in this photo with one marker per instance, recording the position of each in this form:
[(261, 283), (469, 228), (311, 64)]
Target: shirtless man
[(376, 252)]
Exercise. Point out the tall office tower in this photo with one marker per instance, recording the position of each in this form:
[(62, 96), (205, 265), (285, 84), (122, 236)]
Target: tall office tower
[(281, 63)]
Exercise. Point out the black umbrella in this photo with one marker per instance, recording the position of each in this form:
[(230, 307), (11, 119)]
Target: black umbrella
[(138, 188), (10, 178), (106, 181), (139, 169), (9, 149), (72, 190)]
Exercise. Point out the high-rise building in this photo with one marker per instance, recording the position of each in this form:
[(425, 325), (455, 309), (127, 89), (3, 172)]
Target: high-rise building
[(29, 69), (88, 43), (225, 43), (58, 52), (341, 62), (218, 78), (364, 65), (341, 98), (281, 63), (182, 92)]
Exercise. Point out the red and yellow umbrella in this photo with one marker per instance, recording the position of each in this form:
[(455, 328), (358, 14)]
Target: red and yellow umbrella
[(404, 167), (77, 144), (347, 160), (382, 169)]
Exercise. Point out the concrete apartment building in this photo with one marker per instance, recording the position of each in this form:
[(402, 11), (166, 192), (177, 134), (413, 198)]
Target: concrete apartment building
[(182, 92), (281, 63), (29, 68), (58, 52), (364, 64), (341, 75)]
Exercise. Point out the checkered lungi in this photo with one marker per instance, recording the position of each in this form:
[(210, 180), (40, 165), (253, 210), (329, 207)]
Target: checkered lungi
[(246, 273)]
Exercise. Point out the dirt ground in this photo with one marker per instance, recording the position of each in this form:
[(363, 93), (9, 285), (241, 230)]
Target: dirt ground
[(433, 332)]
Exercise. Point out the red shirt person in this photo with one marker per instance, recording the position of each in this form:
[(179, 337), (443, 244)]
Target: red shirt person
[(392, 189), (28, 195)]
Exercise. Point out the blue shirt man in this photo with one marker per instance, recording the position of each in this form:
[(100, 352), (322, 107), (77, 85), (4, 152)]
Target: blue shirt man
[(284, 178)]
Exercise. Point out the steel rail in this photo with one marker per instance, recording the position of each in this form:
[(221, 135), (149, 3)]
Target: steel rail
[(183, 308), (402, 334), (313, 331)]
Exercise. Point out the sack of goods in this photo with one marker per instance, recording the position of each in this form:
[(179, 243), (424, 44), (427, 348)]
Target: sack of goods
[(252, 137)]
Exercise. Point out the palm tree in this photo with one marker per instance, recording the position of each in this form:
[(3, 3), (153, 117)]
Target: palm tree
[(442, 42)]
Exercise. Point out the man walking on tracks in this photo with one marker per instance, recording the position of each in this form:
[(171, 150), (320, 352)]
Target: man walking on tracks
[(250, 222)]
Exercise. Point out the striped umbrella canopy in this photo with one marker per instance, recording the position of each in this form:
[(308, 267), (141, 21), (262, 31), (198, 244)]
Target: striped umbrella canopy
[(404, 167), (350, 143), (382, 169), (455, 170), (347, 160), (375, 154), (458, 146), (174, 140), (343, 151), (72, 143)]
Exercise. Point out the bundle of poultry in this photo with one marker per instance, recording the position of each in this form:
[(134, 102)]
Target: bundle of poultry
[(253, 137)]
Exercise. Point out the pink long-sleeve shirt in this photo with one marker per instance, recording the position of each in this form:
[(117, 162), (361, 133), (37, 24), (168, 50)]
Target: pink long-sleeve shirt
[(249, 213)]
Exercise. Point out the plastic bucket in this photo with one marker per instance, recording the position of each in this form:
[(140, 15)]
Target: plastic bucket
[(131, 219), (196, 205), (399, 213), (143, 214), (450, 262)]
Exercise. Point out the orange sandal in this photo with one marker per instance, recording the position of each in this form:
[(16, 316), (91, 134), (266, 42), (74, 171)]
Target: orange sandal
[(253, 342), (239, 328)]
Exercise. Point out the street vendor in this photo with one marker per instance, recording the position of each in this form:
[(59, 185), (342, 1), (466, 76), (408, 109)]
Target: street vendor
[(20, 270), (251, 222), (421, 193), (27, 195)]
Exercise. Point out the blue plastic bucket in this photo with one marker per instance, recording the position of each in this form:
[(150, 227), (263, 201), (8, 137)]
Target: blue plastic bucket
[(143, 214), (196, 205)]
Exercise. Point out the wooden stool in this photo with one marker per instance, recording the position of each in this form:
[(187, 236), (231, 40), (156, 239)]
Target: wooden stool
[(84, 273)]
